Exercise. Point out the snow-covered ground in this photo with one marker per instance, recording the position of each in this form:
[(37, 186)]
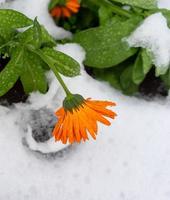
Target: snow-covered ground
[(129, 160)]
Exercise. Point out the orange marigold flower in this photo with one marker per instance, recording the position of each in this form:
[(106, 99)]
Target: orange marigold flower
[(78, 117), (70, 7)]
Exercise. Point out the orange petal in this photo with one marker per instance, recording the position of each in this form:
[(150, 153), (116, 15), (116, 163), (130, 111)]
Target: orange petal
[(91, 118), (103, 111), (56, 12), (100, 118), (101, 103), (66, 12), (87, 124), (76, 127), (73, 7), (82, 128), (74, 10), (73, 3), (58, 128), (64, 134), (60, 112), (70, 127)]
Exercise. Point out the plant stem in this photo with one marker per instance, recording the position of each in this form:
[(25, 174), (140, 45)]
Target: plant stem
[(118, 10), (60, 80), (47, 60)]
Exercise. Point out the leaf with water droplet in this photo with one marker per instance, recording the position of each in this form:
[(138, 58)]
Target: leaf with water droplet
[(104, 45), (33, 75), (146, 4), (13, 19), (10, 74), (63, 63)]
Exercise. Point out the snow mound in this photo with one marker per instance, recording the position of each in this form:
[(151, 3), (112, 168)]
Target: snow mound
[(164, 4), (154, 35)]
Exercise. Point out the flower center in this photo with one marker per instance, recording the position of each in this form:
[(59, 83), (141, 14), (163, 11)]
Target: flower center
[(72, 101)]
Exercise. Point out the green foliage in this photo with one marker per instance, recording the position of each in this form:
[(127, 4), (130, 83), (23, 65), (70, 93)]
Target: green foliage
[(28, 51), (142, 66), (37, 34), (12, 71), (12, 19), (146, 4), (61, 62), (126, 80), (104, 45), (105, 14), (111, 75), (33, 77), (120, 77), (166, 79), (107, 52)]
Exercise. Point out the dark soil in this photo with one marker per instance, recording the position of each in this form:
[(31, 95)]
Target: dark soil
[(153, 86), (42, 122), (16, 94)]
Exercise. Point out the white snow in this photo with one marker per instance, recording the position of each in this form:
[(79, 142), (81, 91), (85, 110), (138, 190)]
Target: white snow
[(129, 160), (154, 35), (2, 1), (164, 4)]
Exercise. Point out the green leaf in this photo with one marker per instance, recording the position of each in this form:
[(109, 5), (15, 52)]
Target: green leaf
[(142, 66), (128, 86), (10, 74), (111, 75), (47, 39), (63, 63), (28, 36), (146, 4), (33, 77), (104, 45), (7, 34), (147, 60), (1, 42), (166, 79), (166, 14), (11, 19), (105, 14), (138, 74), (37, 34)]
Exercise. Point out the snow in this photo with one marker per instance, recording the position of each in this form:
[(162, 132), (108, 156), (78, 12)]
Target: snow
[(2, 1), (154, 35), (129, 160), (164, 4)]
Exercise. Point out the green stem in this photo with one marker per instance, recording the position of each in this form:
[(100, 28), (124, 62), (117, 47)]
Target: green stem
[(118, 10), (6, 44), (60, 80), (47, 60)]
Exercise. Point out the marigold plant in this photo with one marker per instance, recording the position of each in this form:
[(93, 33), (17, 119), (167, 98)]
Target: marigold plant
[(78, 117)]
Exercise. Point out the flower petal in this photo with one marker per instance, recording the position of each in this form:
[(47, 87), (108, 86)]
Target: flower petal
[(65, 12)]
